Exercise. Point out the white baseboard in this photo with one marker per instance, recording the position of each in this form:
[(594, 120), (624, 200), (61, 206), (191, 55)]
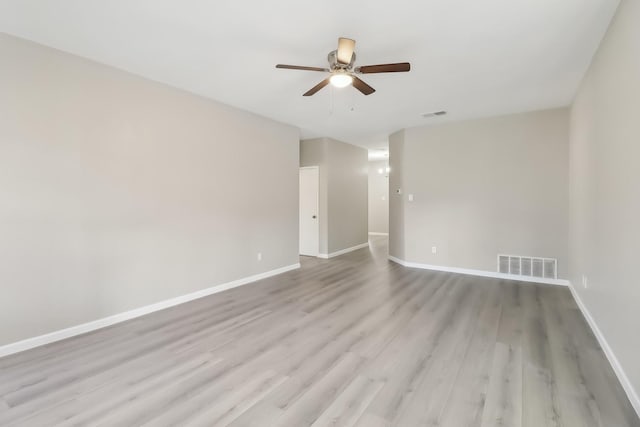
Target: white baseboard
[(632, 394), (61, 334), (481, 273), (376, 233), (343, 251)]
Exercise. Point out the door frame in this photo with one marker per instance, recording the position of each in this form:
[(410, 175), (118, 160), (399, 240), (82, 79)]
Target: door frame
[(317, 168)]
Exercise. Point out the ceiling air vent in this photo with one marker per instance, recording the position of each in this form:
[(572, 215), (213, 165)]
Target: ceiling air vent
[(434, 114), (518, 265)]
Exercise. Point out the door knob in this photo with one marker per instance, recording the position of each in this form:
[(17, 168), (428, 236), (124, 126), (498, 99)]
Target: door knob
[(314, 217)]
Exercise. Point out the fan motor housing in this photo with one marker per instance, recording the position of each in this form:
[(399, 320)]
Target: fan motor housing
[(335, 65)]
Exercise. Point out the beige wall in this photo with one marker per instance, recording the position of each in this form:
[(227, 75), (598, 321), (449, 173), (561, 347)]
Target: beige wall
[(348, 195), (343, 191), (484, 187), (605, 189), (117, 192), (378, 197)]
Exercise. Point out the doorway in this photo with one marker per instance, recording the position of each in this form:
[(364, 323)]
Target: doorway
[(309, 200), (379, 197)]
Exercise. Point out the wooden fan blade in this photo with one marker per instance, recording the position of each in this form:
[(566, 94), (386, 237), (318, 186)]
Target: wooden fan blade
[(317, 87), (299, 67), (345, 50), (362, 86), (399, 67)]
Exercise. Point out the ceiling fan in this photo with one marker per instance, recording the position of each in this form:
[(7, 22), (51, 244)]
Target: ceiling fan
[(343, 73)]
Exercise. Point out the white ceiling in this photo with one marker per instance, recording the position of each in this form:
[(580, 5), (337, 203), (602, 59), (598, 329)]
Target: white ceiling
[(472, 58)]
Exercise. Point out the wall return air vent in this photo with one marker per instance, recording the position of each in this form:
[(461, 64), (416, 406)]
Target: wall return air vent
[(528, 266)]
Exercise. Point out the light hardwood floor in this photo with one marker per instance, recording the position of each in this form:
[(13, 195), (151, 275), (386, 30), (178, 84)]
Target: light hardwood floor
[(351, 341)]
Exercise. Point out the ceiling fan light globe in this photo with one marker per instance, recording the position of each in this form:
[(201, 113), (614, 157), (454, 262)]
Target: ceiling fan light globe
[(341, 80)]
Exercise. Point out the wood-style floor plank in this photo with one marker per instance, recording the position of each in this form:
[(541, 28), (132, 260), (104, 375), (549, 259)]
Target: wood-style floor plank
[(349, 406), (540, 403), (503, 405), (466, 403), (353, 341)]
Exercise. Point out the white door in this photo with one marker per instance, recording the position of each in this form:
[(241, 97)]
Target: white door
[(309, 225)]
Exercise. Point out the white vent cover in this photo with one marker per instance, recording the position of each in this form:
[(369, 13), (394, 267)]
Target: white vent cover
[(518, 265)]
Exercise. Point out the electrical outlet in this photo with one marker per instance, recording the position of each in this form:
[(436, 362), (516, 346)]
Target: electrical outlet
[(585, 281), (434, 250), (259, 256)]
